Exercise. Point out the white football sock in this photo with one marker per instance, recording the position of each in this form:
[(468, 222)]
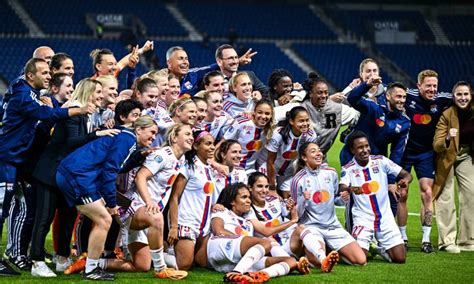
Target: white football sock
[(252, 255), (279, 269)]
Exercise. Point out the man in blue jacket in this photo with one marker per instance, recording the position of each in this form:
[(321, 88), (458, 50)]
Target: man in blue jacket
[(190, 79), (23, 107)]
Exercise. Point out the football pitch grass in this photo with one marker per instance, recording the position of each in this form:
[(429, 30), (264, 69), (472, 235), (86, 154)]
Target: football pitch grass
[(438, 267)]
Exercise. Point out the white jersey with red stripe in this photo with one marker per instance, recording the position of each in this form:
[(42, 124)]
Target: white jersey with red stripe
[(287, 151), (218, 126), (164, 166), (237, 174), (235, 224), (235, 107), (319, 210), (272, 214), (372, 207), (196, 200), (251, 138), (163, 120)]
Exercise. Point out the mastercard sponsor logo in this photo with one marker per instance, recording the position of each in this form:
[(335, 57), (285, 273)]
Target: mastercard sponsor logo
[(321, 196), (209, 188), (422, 118), (241, 232), (254, 145), (379, 122), (272, 223), (290, 155), (370, 187), (172, 179)]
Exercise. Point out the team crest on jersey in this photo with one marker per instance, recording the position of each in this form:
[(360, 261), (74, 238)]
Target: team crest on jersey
[(356, 172), (159, 158), (375, 169), (228, 246), (398, 128), (273, 209), (273, 142), (434, 108), (188, 85)]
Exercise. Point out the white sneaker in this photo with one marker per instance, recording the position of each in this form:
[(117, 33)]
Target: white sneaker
[(60, 267), (39, 268), (451, 249)]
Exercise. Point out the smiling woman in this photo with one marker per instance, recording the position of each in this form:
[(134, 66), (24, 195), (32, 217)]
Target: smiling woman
[(89, 184), (454, 145)]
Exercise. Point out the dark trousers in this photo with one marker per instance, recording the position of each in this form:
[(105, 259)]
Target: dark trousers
[(48, 199)]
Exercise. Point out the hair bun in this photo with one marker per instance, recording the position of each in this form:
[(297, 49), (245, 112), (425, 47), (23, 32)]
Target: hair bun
[(313, 75)]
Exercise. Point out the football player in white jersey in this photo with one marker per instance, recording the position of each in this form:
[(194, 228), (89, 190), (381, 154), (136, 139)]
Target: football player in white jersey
[(315, 191), (253, 134), (274, 218), (201, 110), (242, 100), (283, 148), (184, 111), (190, 203), (144, 217), (233, 248), (228, 153), (216, 121), (366, 178)]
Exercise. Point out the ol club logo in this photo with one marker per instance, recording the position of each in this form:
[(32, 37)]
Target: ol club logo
[(321, 196)]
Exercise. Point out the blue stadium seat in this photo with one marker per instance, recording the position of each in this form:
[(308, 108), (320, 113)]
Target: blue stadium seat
[(458, 27), (361, 22), (70, 18), (256, 20), (337, 63), (452, 63), (10, 21)]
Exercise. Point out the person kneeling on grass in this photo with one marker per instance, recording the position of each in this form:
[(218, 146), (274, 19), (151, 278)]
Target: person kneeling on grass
[(144, 218), (87, 178), (233, 248), (366, 178), (314, 189)]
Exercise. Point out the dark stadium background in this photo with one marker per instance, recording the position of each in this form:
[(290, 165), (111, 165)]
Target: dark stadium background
[(329, 37)]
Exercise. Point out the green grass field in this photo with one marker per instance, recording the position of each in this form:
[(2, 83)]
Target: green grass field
[(438, 267)]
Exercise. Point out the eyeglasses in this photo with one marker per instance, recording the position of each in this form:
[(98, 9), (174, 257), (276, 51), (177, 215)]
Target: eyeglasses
[(231, 58)]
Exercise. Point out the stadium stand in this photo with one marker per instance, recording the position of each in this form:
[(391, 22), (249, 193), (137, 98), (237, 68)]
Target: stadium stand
[(459, 27), (259, 21), (10, 22), (362, 22), (155, 16), (453, 63), (338, 63)]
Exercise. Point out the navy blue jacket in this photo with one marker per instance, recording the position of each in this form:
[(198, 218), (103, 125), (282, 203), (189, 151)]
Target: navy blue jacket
[(424, 115), (191, 81), (94, 167), (382, 126), (21, 111)]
